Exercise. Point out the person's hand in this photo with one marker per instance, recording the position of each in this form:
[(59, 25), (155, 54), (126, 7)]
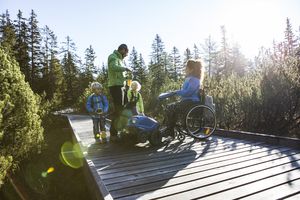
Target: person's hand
[(99, 111)]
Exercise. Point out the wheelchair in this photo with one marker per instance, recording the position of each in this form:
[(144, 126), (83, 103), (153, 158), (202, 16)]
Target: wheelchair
[(197, 120)]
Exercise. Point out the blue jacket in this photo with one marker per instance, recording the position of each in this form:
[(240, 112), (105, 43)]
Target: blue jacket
[(190, 89), (94, 102)]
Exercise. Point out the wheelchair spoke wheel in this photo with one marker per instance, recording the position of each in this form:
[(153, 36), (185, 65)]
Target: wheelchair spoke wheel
[(200, 122)]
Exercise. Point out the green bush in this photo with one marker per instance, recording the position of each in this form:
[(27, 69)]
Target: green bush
[(20, 122)]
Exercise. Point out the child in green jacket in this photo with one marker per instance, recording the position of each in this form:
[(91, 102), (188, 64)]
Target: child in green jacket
[(135, 100)]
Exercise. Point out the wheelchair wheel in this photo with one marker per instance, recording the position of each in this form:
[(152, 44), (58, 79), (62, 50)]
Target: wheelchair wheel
[(200, 121)]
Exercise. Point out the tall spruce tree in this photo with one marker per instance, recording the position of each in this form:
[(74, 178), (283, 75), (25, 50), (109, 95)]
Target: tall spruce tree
[(223, 60), (209, 49), (157, 64), (89, 66), (71, 72), (142, 70), (137, 64), (56, 84), (175, 69), (8, 36), (187, 54), (196, 52), (35, 53), (239, 61), (134, 61), (103, 75), (290, 39), (21, 47)]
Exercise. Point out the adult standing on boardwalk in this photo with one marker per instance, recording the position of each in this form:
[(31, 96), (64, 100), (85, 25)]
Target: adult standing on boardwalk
[(116, 80)]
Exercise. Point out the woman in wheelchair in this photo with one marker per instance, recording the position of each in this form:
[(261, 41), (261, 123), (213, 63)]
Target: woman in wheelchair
[(189, 94)]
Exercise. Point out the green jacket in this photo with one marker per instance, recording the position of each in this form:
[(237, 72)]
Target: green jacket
[(115, 69), (137, 97)]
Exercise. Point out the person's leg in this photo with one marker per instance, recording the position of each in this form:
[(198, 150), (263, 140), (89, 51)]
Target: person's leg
[(171, 118), (116, 94), (103, 130), (96, 128)]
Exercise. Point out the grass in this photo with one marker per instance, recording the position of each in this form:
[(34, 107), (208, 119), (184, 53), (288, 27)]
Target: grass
[(63, 182)]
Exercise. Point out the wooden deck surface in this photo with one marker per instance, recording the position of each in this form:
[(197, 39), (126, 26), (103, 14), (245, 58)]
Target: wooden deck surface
[(218, 168)]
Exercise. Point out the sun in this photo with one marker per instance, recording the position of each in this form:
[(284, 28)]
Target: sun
[(252, 23)]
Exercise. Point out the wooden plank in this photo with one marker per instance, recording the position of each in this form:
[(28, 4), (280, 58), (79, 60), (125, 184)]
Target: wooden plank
[(294, 196), (208, 183), (286, 187)]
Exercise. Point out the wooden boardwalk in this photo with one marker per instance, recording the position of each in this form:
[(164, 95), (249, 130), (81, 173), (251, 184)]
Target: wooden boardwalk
[(218, 168)]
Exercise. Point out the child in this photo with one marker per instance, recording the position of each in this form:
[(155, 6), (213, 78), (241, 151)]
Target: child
[(189, 93), (97, 106), (135, 100)]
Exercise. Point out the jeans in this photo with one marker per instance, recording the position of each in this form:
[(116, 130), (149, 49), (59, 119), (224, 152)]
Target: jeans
[(98, 123)]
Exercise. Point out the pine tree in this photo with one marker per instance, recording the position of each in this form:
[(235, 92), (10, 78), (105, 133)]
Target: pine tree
[(103, 75), (157, 64), (71, 72), (176, 64), (89, 66), (239, 62), (209, 49), (196, 52), (290, 40), (56, 84), (223, 60), (35, 53), (137, 64), (8, 36), (187, 55), (142, 70), (134, 61), (21, 47)]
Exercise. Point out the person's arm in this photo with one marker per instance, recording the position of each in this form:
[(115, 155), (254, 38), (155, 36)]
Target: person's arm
[(191, 87), (140, 104), (105, 104), (89, 104), (114, 65)]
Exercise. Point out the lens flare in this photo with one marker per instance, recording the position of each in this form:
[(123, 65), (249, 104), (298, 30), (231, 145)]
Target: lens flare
[(71, 155), (36, 179), (51, 169), (45, 174), (122, 121)]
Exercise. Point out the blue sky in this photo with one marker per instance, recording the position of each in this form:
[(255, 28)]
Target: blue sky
[(180, 23)]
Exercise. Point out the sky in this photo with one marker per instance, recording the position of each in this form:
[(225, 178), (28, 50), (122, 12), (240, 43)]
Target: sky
[(181, 23)]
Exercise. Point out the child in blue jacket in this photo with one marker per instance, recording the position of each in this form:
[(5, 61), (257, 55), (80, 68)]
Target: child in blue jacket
[(189, 93), (97, 106)]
